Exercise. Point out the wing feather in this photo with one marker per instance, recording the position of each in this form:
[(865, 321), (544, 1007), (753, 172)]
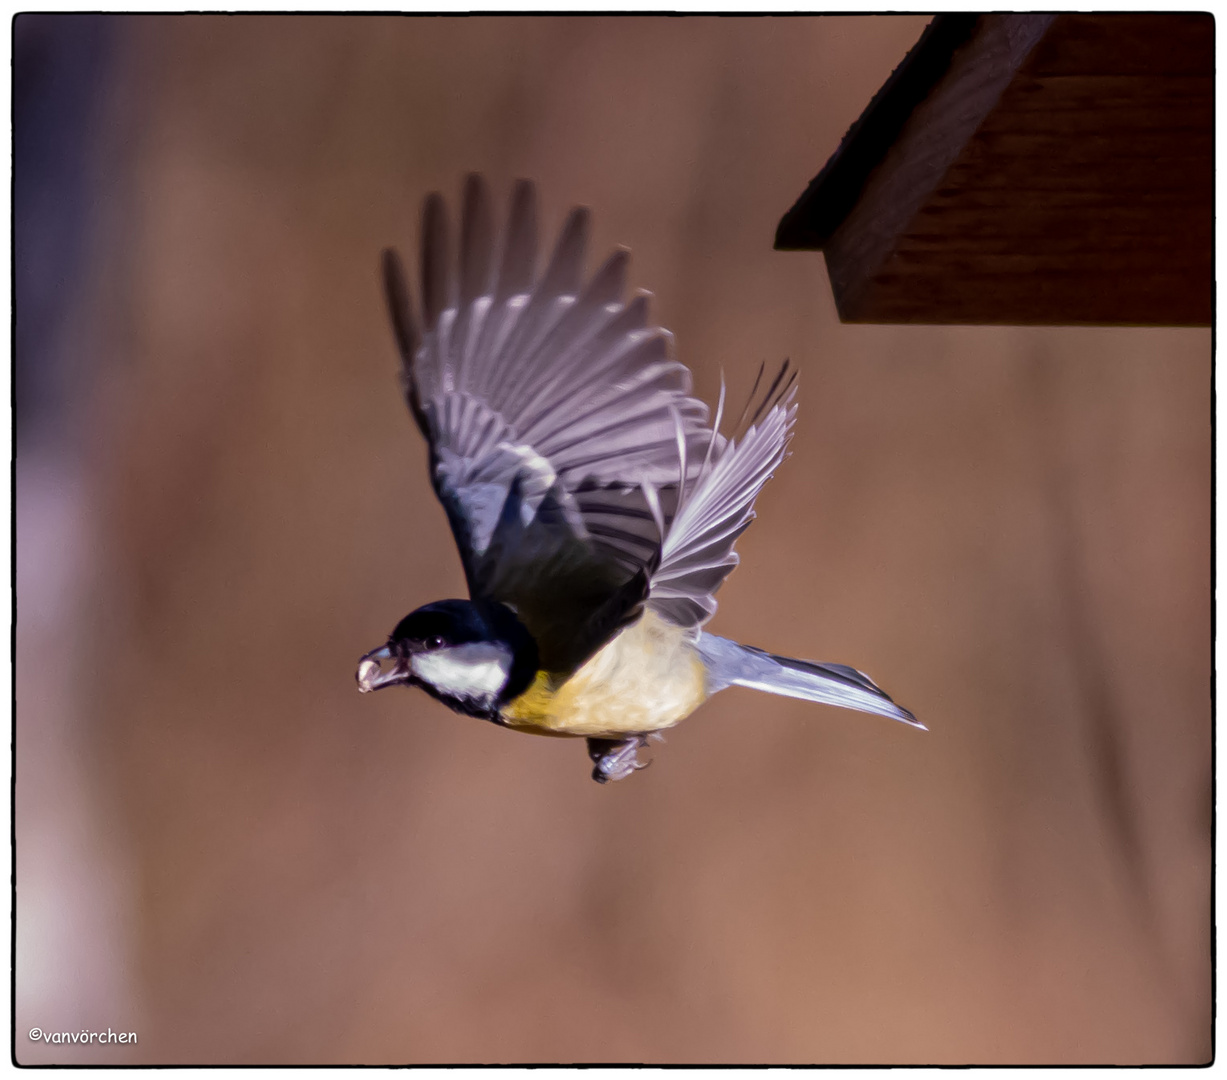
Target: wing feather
[(520, 251), (476, 243), (551, 408), (697, 554), (435, 276), (576, 469)]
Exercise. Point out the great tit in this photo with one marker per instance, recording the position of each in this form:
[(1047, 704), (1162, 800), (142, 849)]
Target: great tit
[(594, 506)]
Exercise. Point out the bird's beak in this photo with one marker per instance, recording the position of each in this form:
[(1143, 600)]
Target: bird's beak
[(373, 676)]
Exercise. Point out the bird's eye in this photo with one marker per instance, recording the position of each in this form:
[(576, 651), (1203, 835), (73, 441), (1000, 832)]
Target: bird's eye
[(435, 642)]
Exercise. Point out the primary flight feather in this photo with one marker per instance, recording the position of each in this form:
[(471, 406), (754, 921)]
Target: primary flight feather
[(594, 506)]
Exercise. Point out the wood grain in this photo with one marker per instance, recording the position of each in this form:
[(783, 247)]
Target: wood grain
[(1060, 173)]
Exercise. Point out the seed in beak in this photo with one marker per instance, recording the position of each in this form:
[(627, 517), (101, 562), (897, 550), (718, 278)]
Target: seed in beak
[(370, 672)]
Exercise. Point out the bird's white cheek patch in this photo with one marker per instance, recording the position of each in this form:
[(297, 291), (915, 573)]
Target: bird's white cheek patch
[(479, 669)]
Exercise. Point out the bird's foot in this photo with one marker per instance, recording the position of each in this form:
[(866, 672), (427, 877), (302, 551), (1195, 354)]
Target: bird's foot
[(616, 759)]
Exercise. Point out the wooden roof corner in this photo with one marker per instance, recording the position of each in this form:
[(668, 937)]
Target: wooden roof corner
[(1028, 169)]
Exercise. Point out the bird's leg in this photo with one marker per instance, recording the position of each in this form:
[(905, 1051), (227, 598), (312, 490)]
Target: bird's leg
[(616, 759)]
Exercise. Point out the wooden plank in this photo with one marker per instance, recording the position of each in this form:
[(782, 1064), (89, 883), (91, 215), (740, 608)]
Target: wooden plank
[(834, 191), (1060, 172)]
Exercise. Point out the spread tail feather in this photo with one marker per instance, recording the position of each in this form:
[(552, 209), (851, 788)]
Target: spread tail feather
[(732, 664)]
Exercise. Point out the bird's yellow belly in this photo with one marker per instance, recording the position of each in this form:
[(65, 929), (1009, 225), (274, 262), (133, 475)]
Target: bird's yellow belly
[(648, 678)]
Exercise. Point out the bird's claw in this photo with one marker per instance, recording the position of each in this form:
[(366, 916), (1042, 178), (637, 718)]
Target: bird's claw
[(616, 759)]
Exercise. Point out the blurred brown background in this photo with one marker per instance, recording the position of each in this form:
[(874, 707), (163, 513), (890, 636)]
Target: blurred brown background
[(222, 503)]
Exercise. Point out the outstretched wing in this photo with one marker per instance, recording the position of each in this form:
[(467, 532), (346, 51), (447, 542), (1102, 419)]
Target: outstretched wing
[(698, 554), (550, 408)]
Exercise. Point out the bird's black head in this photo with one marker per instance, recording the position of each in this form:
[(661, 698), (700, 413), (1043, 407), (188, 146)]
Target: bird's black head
[(471, 656)]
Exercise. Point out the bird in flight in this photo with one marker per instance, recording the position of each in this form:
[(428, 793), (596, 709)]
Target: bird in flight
[(594, 506)]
